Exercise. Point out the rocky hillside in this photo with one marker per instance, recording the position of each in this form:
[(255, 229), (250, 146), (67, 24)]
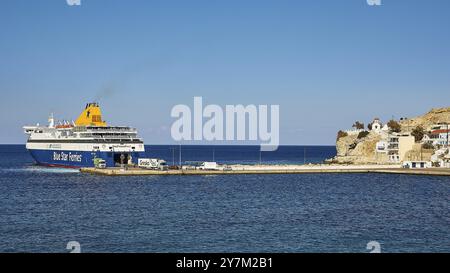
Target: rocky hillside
[(360, 149), (434, 116), (354, 150)]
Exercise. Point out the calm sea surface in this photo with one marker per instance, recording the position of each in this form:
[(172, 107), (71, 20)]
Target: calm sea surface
[(42, 209)]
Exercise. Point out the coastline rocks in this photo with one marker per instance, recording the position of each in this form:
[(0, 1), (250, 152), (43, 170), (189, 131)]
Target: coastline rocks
[(351, 150)]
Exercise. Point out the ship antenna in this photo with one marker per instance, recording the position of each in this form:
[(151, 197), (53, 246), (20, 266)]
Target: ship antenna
[(51, 121)]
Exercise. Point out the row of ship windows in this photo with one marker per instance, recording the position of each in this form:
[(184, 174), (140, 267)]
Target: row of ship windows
[(98, 148), (95, 134), (111, 134)]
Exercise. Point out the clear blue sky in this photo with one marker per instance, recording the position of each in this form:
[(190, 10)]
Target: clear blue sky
[(326, 63)]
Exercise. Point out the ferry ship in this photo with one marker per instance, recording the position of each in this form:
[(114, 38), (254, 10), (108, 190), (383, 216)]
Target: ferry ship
[(83, 142)]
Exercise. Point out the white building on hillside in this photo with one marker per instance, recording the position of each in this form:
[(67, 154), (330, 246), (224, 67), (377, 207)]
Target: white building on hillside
[(439, 126), (382, 147), (439, 137), (378, 127), (398, 146), (354, 131)]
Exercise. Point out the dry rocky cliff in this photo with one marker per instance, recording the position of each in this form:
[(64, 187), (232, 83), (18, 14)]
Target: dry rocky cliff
[(352, 150), (434, 116)]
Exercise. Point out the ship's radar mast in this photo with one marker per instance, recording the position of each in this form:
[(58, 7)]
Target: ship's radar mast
[(51, 121)]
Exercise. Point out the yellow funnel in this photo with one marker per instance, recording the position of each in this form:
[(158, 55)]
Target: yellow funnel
[(91, 116)]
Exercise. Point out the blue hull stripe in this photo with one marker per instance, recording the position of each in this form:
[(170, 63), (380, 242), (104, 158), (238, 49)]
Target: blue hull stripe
[(76, 159)]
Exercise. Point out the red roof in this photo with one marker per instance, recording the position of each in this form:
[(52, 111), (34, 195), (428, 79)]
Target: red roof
[(442, 131)]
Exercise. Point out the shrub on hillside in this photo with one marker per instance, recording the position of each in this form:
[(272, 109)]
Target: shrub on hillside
[(418, 133), (363, 134), (358, 125), (341, 134), (394, 126), (427, 146)]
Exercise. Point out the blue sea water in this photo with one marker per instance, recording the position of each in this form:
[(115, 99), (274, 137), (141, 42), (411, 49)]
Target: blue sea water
[(241, 154), (42, 209)]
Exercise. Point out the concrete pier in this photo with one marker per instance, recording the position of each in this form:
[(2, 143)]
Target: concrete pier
[(273, 169)]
